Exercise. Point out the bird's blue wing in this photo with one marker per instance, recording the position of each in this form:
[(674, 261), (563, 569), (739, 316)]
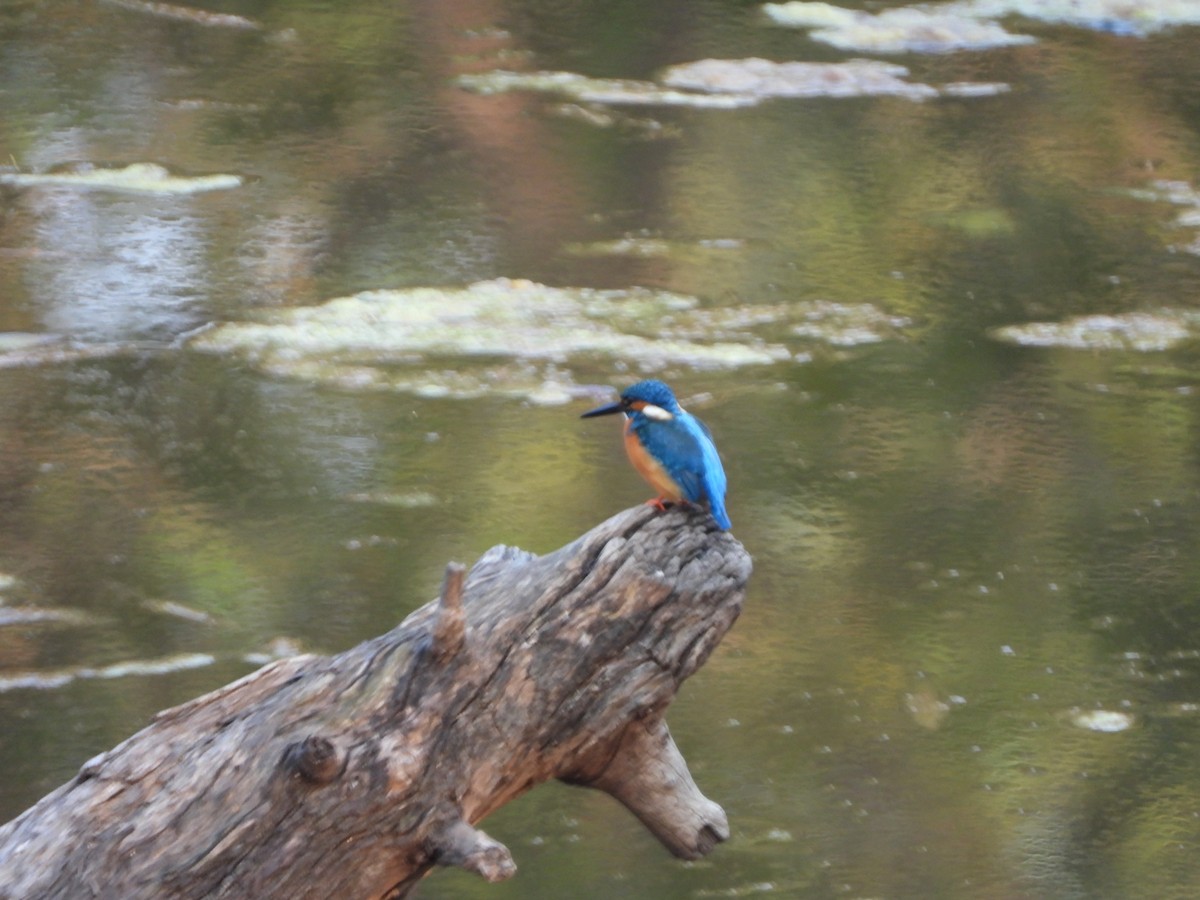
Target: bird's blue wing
[(685, 449), (713, 476), (677, 450)]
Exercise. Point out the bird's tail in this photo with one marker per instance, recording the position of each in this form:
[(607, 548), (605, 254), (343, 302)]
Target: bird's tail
[(717, 508)]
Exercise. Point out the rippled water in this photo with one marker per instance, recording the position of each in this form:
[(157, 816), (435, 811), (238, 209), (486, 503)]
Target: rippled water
[(969, 663)]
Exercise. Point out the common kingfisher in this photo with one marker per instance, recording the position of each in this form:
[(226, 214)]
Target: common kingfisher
[(670, 448)]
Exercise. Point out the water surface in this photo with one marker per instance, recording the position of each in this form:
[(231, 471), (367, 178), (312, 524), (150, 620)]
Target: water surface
[(969, 662)]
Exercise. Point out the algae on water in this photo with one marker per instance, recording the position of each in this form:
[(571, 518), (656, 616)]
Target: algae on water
[(972, 24), (521, 339), (729, 83), (905, 29), (1140, 331), (520, 334), (137, 178), (612, 91)]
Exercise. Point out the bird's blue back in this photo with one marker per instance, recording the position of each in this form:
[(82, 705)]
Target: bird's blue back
[(684, 447)]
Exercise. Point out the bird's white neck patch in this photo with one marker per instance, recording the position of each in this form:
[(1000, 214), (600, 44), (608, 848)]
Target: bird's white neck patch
[(657, 413)]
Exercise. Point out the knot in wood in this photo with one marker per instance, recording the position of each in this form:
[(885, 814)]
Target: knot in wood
[(315, 759)]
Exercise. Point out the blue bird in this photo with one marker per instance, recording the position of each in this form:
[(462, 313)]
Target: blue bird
[(670, 448)]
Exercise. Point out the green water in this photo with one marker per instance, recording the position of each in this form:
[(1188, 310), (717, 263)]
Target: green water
[(963, 548)]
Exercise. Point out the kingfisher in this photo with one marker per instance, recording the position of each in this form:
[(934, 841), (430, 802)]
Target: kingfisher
[(670, 448)]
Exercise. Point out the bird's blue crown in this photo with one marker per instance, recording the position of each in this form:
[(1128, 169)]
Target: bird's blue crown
[(651, 391)]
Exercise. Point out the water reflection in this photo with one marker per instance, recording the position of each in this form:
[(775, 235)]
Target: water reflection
[(968, 663), (130, 273)]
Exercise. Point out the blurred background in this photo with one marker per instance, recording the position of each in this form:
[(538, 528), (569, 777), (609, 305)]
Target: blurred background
[(943, 331)]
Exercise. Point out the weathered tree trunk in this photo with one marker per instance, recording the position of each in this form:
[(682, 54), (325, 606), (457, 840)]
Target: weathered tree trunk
[(351, 776)]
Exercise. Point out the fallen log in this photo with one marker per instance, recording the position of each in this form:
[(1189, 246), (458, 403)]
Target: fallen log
[(353, 775)]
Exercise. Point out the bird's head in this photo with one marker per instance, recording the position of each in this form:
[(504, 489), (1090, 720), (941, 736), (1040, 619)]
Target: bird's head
[(653, 399)]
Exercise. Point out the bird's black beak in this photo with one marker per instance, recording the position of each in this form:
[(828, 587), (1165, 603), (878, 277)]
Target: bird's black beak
[(604, 410)]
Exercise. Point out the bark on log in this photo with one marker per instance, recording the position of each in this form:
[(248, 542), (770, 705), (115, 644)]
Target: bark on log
[(351, 776)]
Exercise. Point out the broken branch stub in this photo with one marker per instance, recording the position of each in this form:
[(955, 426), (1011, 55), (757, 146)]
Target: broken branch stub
[(354, 775)]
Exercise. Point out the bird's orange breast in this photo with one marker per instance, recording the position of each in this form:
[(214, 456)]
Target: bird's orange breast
[(648, 467)]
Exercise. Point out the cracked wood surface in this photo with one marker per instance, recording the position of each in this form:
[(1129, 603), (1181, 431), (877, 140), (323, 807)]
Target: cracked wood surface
[(353, 775)]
